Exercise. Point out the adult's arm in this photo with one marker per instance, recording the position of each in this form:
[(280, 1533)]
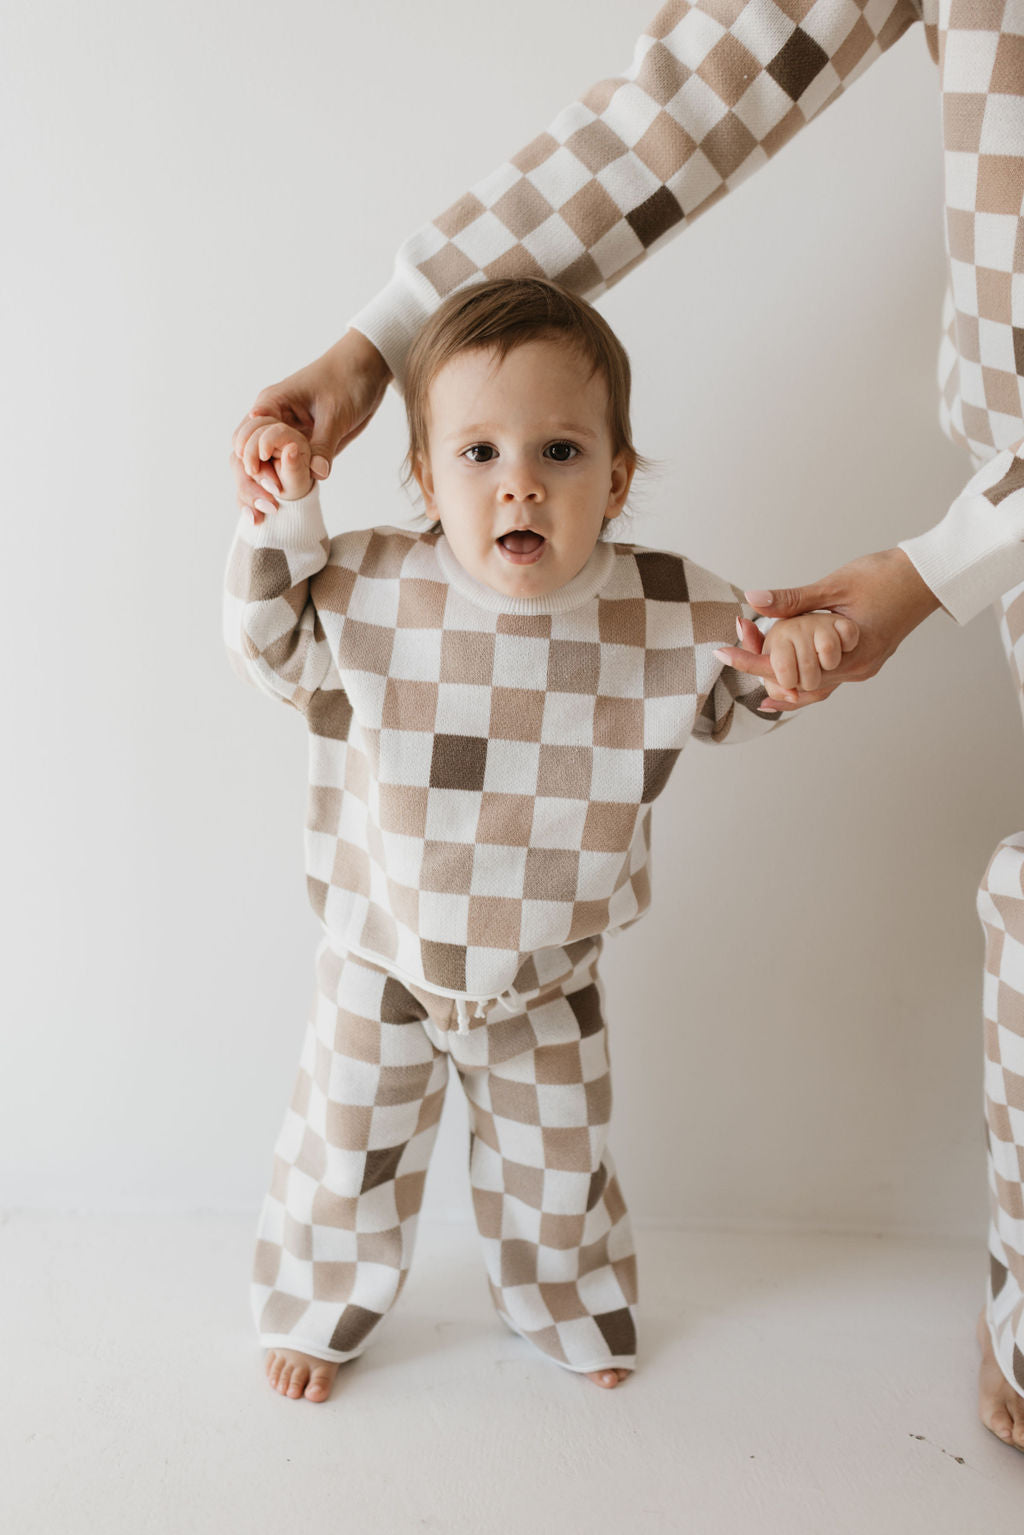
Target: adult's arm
[(715, 90), (975, 553)]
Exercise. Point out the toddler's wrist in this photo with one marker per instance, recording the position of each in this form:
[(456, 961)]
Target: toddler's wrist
[(299, 495)]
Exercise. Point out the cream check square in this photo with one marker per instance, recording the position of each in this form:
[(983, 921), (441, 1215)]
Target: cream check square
[(552, 235), (969, 60), (403, 857), (404, 756), (463, 709), (452, 815), (497, 870), (559, 177), (374, 602), (513, 765), (416, 654), (568, 719), (622, 671), (485, 240), (558, 823), (520, 662)]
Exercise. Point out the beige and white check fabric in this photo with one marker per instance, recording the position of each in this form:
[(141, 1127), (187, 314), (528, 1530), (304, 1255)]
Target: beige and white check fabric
[(1001, 909), (481, 776), (337, 1228)]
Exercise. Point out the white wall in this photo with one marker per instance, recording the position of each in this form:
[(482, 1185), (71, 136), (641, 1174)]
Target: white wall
[(197, 199)]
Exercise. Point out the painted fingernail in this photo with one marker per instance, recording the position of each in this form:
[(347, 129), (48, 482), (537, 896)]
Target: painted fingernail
[(250, 514), (768, 709), (264, 506), (320, 466), (739, 630), (267, 483), (721, 655), (760, 599)]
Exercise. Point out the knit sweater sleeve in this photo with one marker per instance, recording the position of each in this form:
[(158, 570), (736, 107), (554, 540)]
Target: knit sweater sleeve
[(714, 90), (727, 699), (272, 630), (976, 552), (730, 714)]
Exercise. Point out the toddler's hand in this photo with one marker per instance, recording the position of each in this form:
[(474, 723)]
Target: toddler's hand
[(279, 454), (802, 648)]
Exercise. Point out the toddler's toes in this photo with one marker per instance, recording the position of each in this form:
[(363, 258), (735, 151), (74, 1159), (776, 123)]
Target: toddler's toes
[(320, 1382), (297, 1378), (294, 1374), (607, 1378)]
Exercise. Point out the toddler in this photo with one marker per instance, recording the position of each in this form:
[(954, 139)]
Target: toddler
[(493, 704)]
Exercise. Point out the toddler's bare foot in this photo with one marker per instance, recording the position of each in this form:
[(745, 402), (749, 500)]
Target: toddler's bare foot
[(293, 1374), (609, 1378), (1000, 1408)]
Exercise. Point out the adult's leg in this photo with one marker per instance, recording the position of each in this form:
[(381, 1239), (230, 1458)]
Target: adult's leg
[(558, 1242), (1001, 909), (337, 1228)]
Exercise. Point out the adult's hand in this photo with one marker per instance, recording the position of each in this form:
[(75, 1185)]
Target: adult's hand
[(884, 595), (330, 401)]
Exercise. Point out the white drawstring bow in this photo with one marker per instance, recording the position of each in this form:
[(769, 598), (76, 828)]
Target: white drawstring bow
[(476, 1007)]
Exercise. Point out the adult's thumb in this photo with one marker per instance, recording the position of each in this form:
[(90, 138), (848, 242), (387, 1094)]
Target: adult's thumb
[(320, 463), (786, 602)]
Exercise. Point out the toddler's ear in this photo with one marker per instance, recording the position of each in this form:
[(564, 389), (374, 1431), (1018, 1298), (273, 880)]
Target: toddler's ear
[(425, 481)]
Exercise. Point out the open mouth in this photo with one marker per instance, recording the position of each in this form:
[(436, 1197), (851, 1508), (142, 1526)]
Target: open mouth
[(522, 546)]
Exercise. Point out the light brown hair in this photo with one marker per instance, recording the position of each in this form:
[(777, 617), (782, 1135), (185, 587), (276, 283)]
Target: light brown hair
[(503, 313)]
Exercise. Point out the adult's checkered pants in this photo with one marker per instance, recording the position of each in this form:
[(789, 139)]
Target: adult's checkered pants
[(338, 1225), (1001, 908)]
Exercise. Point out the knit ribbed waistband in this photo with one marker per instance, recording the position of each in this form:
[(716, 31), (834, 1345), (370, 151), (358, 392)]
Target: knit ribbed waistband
[(571, 976)]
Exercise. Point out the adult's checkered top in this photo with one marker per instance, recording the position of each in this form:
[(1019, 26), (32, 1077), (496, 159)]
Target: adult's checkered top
[(715, 90), (481, 767)]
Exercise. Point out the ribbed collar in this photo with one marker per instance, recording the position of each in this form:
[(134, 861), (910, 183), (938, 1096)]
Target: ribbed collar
[(583, 586)]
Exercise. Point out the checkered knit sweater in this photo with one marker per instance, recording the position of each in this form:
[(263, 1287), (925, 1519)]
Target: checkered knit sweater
[(481, 767), (715, 89)]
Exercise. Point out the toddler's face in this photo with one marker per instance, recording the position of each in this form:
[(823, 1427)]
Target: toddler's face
[(520, 467)]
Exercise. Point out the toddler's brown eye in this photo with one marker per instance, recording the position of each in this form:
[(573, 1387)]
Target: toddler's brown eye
[(557, 446), (480, 447)]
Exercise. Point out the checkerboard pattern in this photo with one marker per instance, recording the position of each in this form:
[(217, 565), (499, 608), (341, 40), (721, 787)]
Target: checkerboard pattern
[(715, 89), (337, 1229), (482, 768), (1001, 909)]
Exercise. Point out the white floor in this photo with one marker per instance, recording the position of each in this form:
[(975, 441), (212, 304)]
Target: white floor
[(786, 1384)]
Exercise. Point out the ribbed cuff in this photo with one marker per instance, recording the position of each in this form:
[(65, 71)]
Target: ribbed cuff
[(966, 574), (391, 320), (295, 525)]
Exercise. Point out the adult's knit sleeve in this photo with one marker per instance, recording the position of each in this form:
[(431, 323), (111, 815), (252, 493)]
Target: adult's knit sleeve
[(976, 552), (715, 89), (273, 634)]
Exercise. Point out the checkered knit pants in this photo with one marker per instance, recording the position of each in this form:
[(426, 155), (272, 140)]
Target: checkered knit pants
[(1001, 909), (337, 1228)]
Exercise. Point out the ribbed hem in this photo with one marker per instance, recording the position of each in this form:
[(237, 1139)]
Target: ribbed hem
[(328, 1355), (295, 525), (579, 590)]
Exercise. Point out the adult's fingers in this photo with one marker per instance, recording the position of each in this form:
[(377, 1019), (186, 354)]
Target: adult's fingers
[(249, 492), (745, 661), (783, 706)]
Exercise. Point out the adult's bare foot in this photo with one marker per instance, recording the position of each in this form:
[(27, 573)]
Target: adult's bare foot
[(1000, 1408)]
